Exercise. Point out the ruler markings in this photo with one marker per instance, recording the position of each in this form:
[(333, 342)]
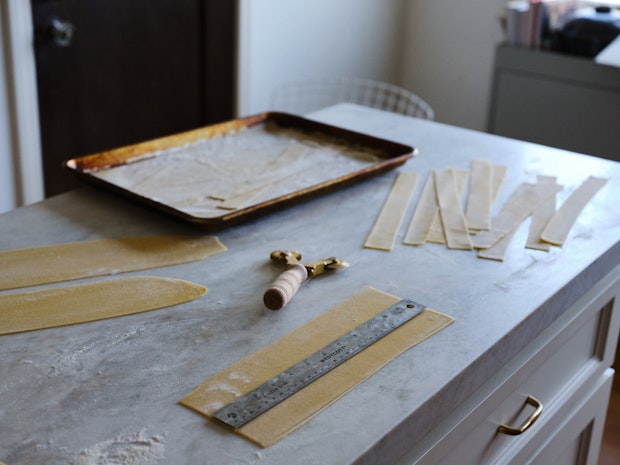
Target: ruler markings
[(249, 406)]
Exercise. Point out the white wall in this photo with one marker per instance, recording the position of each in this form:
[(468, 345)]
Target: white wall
[(440, 49), (449, 57), (288, 40), (7, 172)]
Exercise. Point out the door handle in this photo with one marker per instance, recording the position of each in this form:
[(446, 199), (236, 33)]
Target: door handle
[(60, 31), (538, 408)]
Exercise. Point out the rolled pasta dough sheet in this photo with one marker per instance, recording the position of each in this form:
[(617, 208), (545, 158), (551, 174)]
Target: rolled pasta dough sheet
[(100, 257), (247, 374), (62, 306)]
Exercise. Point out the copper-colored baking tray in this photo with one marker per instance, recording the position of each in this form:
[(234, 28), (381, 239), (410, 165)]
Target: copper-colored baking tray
[(390, 154)]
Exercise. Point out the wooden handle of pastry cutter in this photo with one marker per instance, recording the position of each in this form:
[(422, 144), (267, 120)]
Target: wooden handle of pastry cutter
[(285, 286)]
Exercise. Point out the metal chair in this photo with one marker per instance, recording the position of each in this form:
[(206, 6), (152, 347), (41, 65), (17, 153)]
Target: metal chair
[(306, 96)]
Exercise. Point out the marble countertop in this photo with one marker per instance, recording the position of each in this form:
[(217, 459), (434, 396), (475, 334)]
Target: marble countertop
[(97, 392)]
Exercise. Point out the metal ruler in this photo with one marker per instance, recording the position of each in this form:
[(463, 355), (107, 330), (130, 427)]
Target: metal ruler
[(280, 387)]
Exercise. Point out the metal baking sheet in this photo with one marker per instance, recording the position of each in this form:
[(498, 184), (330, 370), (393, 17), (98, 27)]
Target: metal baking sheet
[(238, 170)]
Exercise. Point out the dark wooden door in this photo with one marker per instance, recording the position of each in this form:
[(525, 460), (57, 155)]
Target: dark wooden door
[(116, 72)]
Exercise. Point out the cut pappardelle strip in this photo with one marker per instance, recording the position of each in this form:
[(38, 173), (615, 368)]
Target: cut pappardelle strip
[(388, 222), (563, 220), (450, 211)]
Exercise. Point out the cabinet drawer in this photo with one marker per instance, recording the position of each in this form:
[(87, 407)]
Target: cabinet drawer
[(574, 437), (569, 354)]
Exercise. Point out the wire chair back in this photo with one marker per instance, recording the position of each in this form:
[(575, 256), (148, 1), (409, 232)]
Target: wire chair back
[(307, 96)]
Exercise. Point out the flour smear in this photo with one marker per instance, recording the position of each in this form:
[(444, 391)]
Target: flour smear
[(129, 449)]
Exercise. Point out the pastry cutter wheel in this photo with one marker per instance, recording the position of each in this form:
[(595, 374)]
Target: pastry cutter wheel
[(287, 284)]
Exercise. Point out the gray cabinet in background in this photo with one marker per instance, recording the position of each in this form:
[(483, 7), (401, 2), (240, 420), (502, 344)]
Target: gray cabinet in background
[(557, 100)]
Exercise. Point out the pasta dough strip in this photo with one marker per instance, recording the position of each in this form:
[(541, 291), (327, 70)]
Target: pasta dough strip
[(517, 208), (282, 167), (241, 199), (386, 226), (436, 234), (540, 217), (563, 220), (423, 215), (100, 257), (478, 210), (497, 175), (250, 372), (498, 250), (452, 218), (70, 305)]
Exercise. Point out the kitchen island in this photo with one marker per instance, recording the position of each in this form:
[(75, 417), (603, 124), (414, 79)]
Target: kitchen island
[(540, 324)]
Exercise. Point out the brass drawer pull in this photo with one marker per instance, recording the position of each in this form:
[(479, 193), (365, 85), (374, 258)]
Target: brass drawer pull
[(538, 406)]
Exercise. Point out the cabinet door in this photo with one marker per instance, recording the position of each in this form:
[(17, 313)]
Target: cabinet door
[(564, 368), (556, 99), (117, 72), (558, 113), (578, 438)]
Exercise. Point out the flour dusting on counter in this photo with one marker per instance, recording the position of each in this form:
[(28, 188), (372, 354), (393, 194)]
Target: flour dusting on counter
[(129, 449), (70, 358)]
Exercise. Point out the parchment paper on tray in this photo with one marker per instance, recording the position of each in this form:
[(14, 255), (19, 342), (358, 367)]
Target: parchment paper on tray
[(233, 171)]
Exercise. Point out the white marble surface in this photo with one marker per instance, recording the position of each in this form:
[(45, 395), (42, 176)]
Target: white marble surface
[(98, 392)]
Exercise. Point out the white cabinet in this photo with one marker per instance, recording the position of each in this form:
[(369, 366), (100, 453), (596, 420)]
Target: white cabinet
[(565, 370), (558, 100), (577, 437)]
